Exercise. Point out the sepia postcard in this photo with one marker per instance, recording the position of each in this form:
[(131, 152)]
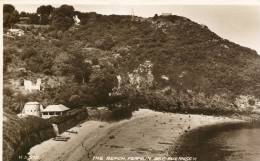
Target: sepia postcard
[(111, 80)]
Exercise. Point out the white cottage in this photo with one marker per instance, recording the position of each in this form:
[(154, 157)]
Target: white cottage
[(32, 108), (54, 110)]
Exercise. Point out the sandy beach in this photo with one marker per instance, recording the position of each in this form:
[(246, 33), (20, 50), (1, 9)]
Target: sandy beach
[(146, 134)]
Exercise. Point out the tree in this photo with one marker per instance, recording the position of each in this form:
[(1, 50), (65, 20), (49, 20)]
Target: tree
[(44, 12), (8, 8), (47, 10), (102, 84), (62, 17), (23, 14), (44, 19), (62, 23), (35, 19), (77, 66), (155, 17), (11, 16), (35, 63), (66, 94)]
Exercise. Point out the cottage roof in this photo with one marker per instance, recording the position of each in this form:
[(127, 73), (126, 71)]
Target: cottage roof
[(55, 108)]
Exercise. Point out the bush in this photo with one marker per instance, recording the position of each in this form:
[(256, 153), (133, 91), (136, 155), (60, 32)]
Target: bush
[(28, 53), (119, 113), (105, 43), (8, 91)]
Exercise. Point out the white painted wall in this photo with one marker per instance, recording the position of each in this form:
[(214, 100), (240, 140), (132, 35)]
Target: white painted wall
[(30, 86)]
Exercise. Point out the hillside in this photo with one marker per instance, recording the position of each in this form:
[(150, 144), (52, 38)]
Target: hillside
[(189, 54), (169, 59)]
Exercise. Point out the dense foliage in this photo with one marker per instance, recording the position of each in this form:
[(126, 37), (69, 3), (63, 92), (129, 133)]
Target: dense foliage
[(91, 55), (22, 133), (10, 16)]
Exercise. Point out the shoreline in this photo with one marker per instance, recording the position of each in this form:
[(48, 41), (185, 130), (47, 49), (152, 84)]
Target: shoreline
[(147, 133), (188, 142), (201, 132)]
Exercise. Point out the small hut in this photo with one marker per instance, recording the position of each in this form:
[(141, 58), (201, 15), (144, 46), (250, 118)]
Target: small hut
[(54, 110), (166, 14), (32, 108)]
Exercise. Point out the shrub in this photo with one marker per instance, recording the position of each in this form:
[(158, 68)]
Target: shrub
[(105, 44), (119, 113), (8, 91), (28, 53)]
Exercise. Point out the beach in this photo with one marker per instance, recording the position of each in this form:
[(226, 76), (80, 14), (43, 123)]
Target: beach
[(147, 134)]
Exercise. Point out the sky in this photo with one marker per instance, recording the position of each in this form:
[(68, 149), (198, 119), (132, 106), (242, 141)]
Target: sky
[(239, 23)]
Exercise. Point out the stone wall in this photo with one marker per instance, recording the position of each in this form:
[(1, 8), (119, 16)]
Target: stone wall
[(71, 119)]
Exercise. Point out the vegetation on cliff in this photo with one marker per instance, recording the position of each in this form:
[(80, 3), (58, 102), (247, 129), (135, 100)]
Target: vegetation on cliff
[(199, 65)]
